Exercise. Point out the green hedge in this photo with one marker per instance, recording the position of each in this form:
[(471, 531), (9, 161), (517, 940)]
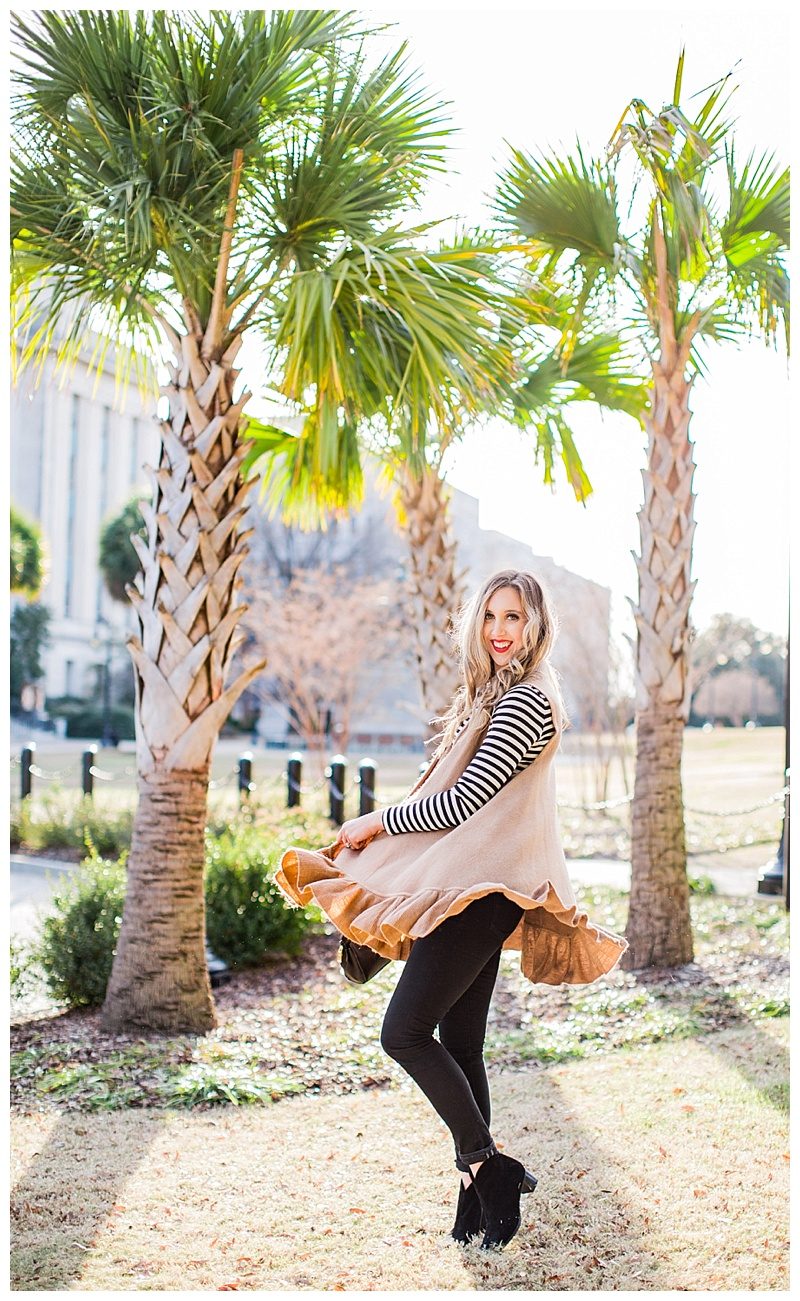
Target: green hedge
[(247, 917), (79, 935), (85, 718), (89, 722), (246, 914)]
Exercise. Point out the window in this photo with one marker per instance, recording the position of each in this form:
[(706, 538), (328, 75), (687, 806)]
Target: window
[(102, 496), (72, 480)]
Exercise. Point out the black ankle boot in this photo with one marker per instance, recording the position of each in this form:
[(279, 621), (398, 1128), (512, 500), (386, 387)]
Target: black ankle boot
[(499, 1183), (469, 1214)]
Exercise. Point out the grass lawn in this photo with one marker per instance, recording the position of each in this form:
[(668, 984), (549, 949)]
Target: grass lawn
[(661, 1167), (285, 1151), (727, 774)]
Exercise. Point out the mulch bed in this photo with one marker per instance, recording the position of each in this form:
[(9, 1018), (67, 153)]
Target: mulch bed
[(298, 1020)]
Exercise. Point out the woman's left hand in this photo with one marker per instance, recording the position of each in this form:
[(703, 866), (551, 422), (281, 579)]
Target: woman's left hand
[(357, 832)]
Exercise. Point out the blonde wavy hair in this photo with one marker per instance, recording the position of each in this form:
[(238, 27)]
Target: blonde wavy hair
[(482, 683)]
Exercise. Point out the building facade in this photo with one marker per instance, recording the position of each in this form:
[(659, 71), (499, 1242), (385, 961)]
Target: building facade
[(78, 454)]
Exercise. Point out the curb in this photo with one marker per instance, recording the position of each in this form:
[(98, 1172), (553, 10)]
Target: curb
[(42, 865)]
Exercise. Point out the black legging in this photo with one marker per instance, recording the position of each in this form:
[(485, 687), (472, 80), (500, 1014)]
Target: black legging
[(448, 981)]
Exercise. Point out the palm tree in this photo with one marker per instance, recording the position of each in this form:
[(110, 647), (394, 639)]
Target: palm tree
[(705, 263), (183, 181), (540, 394), (445, 357), (502, 361)]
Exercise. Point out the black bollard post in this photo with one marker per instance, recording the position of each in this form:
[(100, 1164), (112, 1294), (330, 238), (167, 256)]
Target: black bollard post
[(87, 763), (26, 776), (294, 780), (336, 774), (245, 775), (366, 786)]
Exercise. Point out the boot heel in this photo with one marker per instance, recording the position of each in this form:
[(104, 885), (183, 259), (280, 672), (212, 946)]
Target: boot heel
[(529, 1182)]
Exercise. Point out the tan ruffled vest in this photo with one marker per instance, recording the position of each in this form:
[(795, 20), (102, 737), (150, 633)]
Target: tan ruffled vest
[(400, 887)]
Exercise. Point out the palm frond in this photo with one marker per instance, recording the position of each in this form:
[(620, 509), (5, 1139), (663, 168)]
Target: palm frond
[(758, 205), (412, 327), (310, 477), (754, 239), (125, 130), (566, 209), (564, 204), (602, 369), (359, 154)]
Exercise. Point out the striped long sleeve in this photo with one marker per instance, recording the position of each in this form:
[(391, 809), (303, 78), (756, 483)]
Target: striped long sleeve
[(520, 727)]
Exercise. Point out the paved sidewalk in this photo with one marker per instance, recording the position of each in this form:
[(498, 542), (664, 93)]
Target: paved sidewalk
[(33, 881)]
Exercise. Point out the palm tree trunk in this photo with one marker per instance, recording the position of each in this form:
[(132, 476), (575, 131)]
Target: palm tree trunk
[(435, 587), (659, 929), (160, 978), (185, 597)]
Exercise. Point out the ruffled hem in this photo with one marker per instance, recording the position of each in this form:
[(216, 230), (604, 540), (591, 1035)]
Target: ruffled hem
[(557, 942)]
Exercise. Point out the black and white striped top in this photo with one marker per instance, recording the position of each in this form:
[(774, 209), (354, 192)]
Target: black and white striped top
[(519, 729)]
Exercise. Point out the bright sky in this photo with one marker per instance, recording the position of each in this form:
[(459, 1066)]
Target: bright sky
[(540, 76)]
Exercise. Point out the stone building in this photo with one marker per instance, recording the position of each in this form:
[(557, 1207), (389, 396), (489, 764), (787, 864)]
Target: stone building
[(76, 457)]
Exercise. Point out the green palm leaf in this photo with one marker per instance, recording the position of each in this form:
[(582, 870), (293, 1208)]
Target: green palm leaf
[(566, 209)]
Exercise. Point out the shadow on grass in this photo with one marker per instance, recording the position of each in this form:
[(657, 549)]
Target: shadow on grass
[(582, 1229), (595, 1209), (735, 1017), (50, 1233)]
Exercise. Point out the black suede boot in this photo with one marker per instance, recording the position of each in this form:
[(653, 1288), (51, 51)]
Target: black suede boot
[(469, 1214), (499, 1183)]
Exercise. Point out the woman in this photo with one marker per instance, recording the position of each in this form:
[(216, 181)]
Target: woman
[(470, 866)]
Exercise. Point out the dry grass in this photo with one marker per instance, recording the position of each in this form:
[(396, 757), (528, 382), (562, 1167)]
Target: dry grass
[(663, 1167)]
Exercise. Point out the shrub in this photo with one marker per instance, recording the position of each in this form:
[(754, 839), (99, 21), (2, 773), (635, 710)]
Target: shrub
[(89, 722), (85, 718), (247, 917), (246, 914), (78, 939), (64, 820), (19, 965), (702, 885)]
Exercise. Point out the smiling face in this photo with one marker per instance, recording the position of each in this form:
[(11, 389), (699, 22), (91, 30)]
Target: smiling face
[(503, 622)]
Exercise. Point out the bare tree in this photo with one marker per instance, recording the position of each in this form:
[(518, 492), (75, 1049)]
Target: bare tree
[(598, 674), (736, 694), (320, 634)]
